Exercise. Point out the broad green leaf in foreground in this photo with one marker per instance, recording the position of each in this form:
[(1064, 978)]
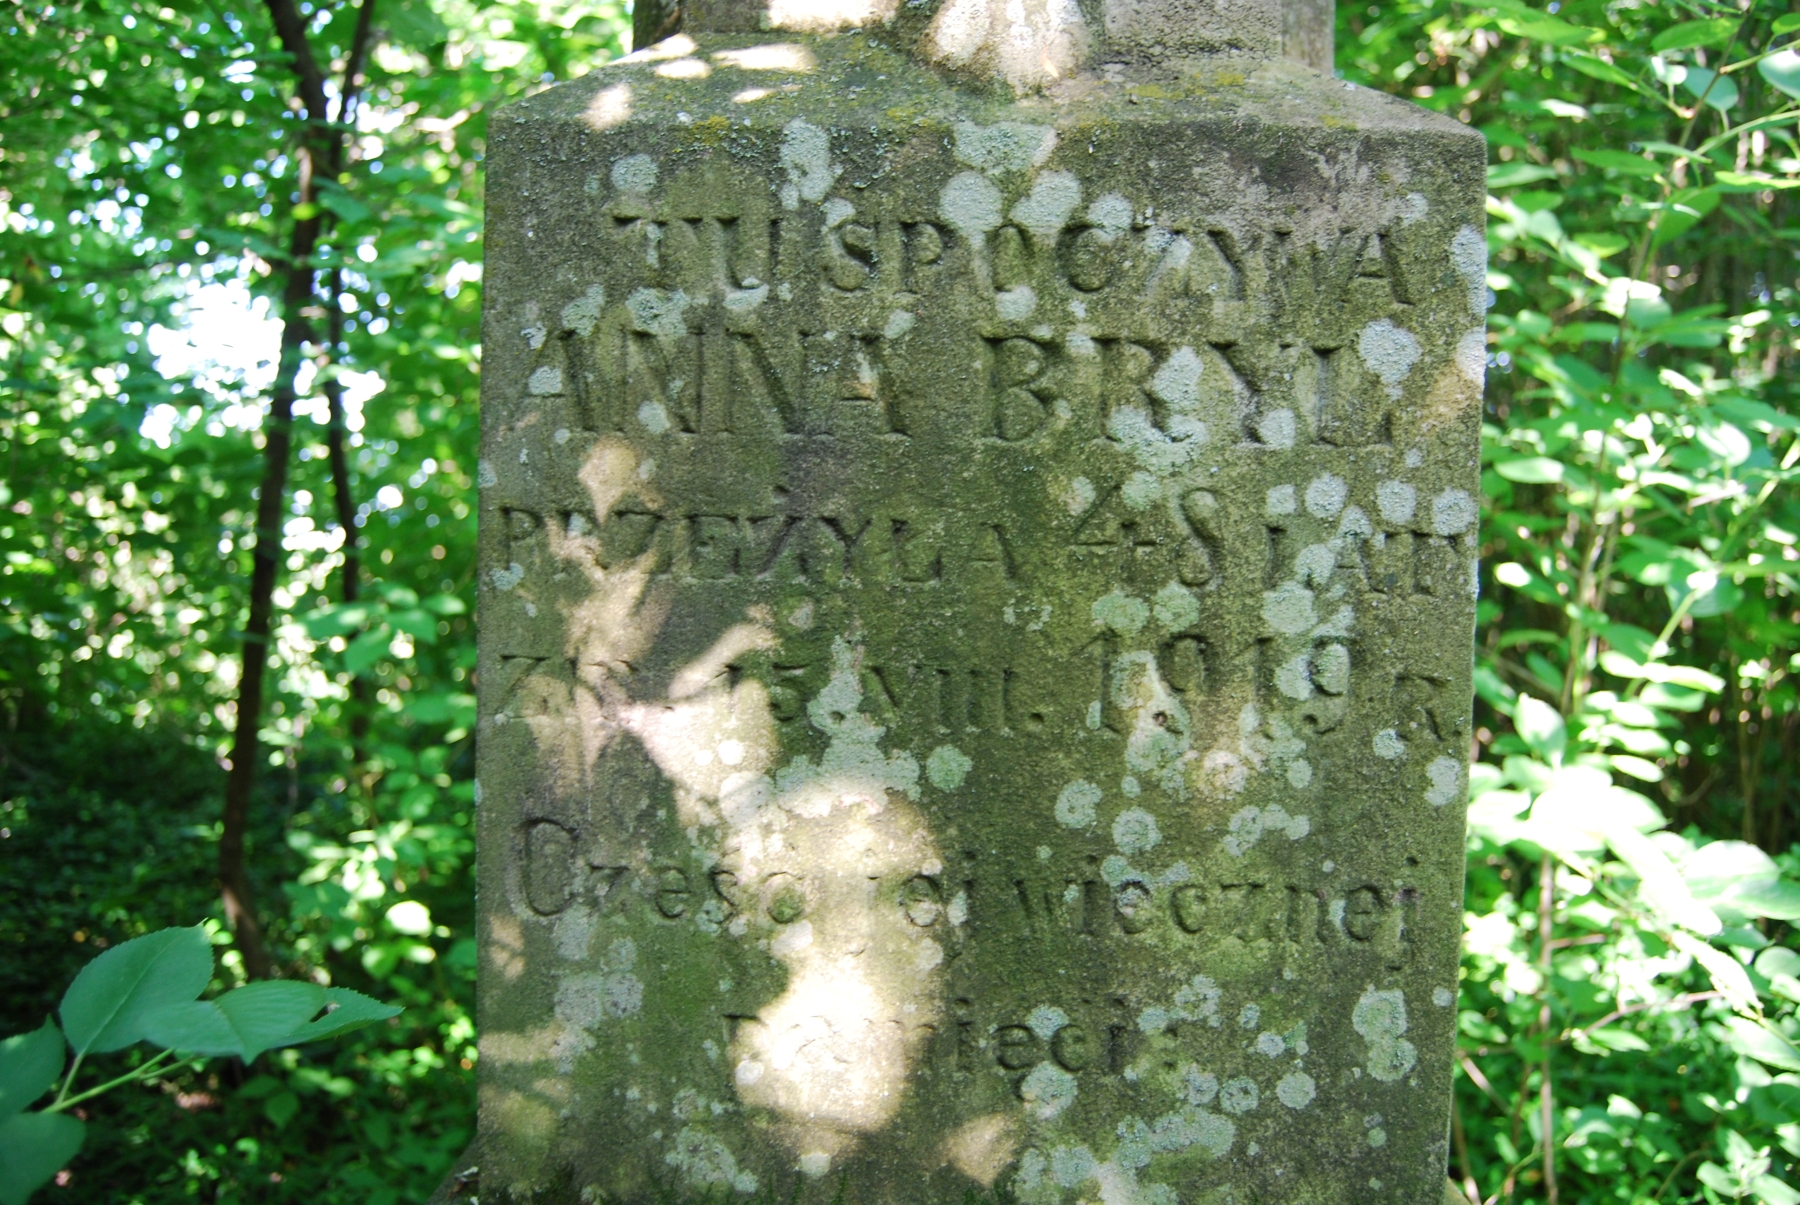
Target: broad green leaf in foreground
[(107, 1005), (243, 1022), (349, 1010), (33, 1148), (29, 1065)]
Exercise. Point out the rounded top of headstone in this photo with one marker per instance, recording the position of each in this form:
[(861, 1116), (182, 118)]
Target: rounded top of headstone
[(1031, 44)]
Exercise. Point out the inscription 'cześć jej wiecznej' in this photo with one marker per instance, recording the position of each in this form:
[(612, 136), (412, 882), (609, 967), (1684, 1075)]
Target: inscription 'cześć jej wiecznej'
[(975, 611)]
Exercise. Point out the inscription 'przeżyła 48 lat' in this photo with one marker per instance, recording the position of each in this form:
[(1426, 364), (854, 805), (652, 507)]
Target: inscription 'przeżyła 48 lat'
[(978, 537)]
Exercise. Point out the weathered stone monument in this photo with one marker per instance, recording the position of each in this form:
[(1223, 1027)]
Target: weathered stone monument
[(978, 569)]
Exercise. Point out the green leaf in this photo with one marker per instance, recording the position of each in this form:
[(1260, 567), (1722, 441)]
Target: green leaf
[(281, 1108), (1719, 91), (417, 623), (1739, 182), (349, 1010), (445, 604), (33, 1148), (1599, 69), (243, 1022), (1762, 1043), (1603, 245), (29, 1065), (1779, 900), (340, 620), (1620, 161), (1782, 69), (1511, 175), (105, 1008), (1531, 470), (1541, 727), (367, 649), (1687, 35)]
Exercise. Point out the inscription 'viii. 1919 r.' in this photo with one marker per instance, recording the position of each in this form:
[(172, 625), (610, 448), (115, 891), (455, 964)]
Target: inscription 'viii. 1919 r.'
[(975, 617)]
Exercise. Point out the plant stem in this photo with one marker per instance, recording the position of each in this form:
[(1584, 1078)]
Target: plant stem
[(143, 1072), (69, 1079)]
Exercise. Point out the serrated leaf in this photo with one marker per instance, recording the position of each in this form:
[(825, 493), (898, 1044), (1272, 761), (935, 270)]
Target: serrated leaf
[(104, 1009), (349, 1010), (243, 1022), (29, 1065), (1687, 35), (33, 1148)]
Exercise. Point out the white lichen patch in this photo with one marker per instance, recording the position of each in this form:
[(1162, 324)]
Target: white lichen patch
[(1141, 490), (1380, 1018), (1009, 146), (1159, 744), (1045, 1020), (1121, 612), (1281, 500), (586, 1000), (659, 312), (1289, 609), (970, 205), (1326, 495), (1239, 1095), (1175, 607), (1196, 1000), (1250, 1016), (1471, 357), (1296, 1090), (1389, 352), (1388, 746), (507, 578), (1279, 429), (581, 314), (634, 174), (1272, 1045), (1443, 997), (1076, 495), (546, 381), (1077, 804), (806, 158), (1249, 825), (1047, 1091), (1016, 304), (1453, 512), (946, 767), (898, 323), (1469, 256), (1134, 831), (706, 1162), (1111, 217), (1445, 774), (815, 1164), (1046, 209), (1397, 501)]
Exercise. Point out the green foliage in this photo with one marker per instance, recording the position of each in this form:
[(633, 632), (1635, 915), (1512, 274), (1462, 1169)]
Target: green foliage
[(1628, 1003), (144, 990)]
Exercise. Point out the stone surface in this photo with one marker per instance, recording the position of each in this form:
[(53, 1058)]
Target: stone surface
[(976, 606)]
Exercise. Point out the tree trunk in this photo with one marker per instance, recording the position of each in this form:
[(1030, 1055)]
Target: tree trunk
[(321, 150)]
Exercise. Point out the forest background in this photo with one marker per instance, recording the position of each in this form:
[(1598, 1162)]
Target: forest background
[(228, 281)]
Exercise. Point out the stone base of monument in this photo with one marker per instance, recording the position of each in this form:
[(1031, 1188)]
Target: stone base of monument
[(978, 564)]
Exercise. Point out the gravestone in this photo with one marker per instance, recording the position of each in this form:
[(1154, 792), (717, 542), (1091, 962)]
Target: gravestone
[(978, 551)]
